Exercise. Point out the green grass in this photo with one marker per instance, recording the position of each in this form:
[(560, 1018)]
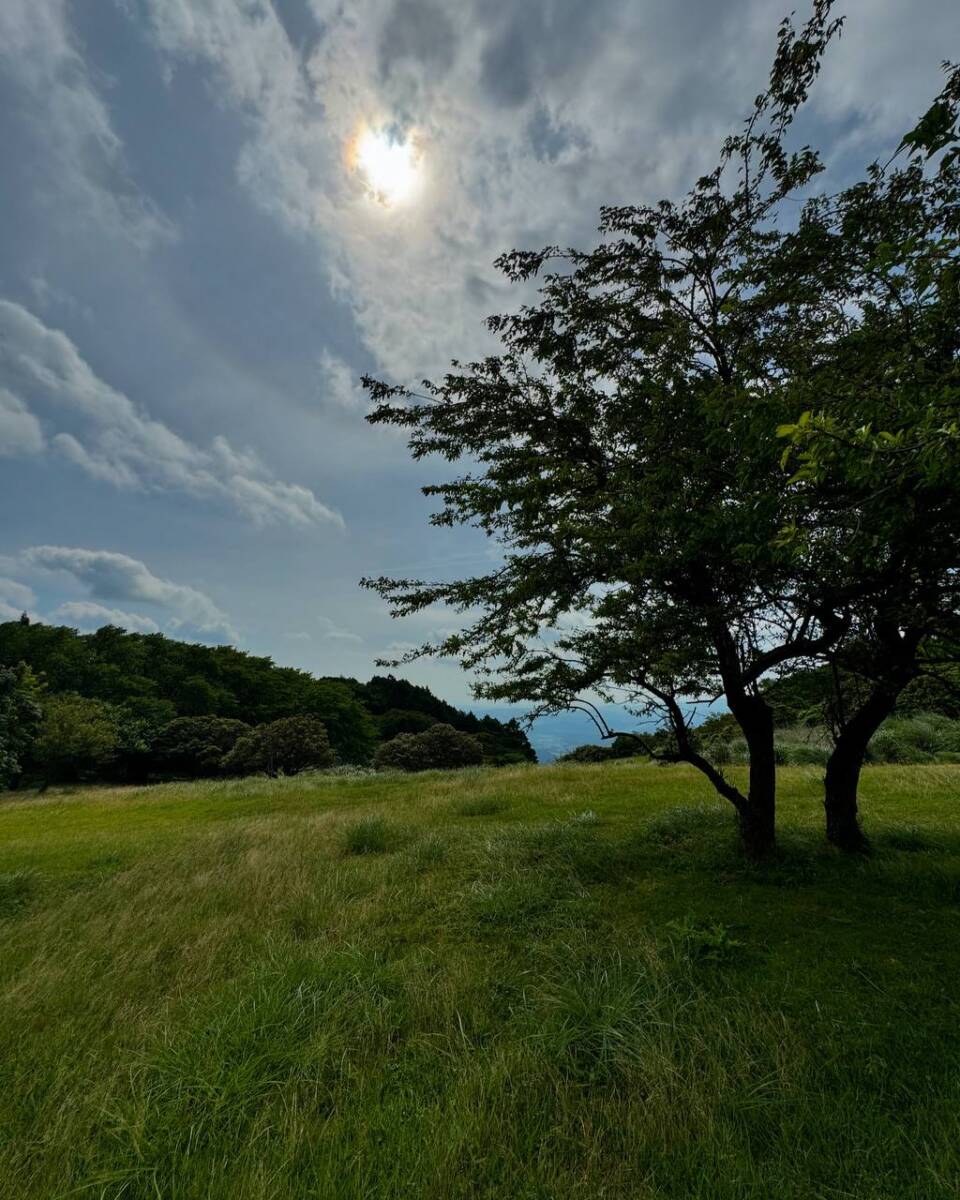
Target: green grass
[(530, 984)]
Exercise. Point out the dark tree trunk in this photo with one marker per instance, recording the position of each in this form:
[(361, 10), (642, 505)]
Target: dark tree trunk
[(757, 810), (840, 798), (758, 816), (842, 776)]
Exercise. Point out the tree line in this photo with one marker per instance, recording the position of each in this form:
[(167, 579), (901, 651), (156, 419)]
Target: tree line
[(131, 707)]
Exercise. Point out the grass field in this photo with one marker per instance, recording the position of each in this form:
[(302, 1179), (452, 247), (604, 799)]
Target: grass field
[(529, 984)]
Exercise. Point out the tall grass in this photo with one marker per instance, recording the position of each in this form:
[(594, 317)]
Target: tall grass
[(459, 986)]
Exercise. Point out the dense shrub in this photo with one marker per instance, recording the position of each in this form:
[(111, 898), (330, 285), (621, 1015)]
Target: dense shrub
[(402, 720), (77, 738), (20, 715), (439, 748), (922, 738), (804, 755), (196, 746), (283, 747), (588, 753)]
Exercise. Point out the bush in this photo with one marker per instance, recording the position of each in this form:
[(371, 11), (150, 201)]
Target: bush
[(284, 747), (918, 739), (439, 748), (588, 753), (77, 738), (803, 755), (718, 752), (20, 715), (196, 746)]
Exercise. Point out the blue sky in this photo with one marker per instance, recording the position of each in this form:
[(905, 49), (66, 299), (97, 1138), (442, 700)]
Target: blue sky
[(194, 273)]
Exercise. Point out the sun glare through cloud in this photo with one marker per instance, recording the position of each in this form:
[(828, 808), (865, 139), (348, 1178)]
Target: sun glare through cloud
[(390, 167)]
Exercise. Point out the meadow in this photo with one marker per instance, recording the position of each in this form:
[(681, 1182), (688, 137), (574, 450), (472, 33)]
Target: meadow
[(534, 983)]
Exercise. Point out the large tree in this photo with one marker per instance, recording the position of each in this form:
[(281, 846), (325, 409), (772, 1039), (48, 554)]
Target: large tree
[(629, 456)]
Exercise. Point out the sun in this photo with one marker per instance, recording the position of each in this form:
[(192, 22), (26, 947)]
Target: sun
[(390, 166)]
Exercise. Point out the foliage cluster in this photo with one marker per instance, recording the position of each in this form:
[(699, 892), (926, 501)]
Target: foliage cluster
[(284, 747), (131, 707), (19, 718), (439, 748)]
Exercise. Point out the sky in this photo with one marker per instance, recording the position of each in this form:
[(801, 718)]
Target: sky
[(219, 214)]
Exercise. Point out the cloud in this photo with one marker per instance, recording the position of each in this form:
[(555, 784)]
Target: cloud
[(17, 594), (419, 32), (609, 103), (86, 612), (20, 431), (419, 279), (81, 169), (120, 444), (333, 632), (111, 576), (340, 384)]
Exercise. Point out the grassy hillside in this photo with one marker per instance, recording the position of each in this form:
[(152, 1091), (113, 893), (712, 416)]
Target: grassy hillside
[(528, 983)]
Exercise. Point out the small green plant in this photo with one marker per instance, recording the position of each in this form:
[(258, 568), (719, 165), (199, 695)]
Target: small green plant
[(598, 1023), (428, 852), (703, 941), (368, 836)]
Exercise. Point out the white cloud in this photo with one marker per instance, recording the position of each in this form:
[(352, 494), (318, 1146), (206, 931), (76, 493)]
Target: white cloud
[(333, 632), (17, 594), (111, 576), (530, 117), (82, 170), (86, 612), (20, 431), (340, 384), (121, 444), (499, 167)]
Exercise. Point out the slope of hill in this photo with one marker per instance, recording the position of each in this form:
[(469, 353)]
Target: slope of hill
[(557, 982)]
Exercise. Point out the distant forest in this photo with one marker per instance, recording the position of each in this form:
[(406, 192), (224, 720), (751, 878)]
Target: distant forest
[(141, 683)]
